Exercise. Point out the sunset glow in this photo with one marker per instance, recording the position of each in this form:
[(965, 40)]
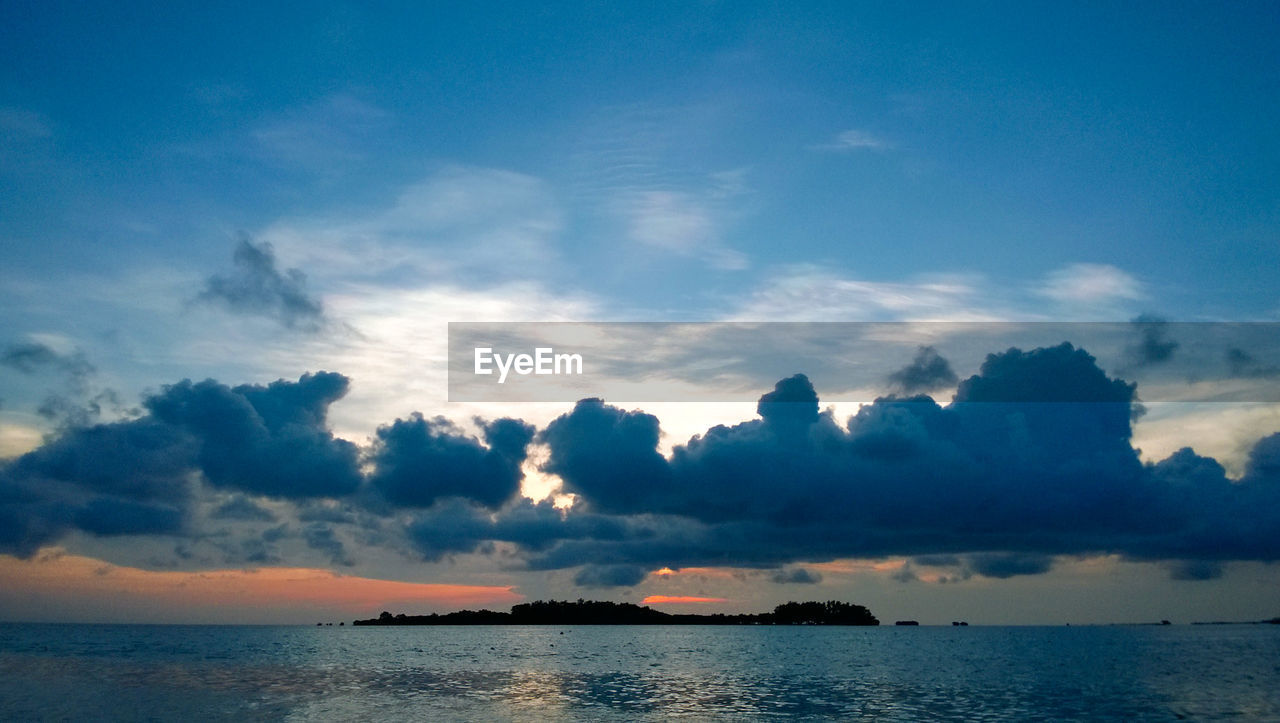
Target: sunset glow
[(58, 579), (680, 600)]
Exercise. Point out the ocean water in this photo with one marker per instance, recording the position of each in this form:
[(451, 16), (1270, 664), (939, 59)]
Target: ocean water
[(141, 672)]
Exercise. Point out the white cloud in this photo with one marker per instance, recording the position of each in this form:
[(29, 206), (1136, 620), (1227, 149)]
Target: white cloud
[(807, 293), (679, 223), (322, 134), (856, 140), (1091, 284), (668, 220), (633, 163), (460, 220)]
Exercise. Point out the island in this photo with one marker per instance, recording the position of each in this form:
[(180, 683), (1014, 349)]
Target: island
[(592, 612)]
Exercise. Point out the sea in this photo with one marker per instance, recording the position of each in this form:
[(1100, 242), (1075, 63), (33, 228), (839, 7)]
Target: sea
[(629, 673)]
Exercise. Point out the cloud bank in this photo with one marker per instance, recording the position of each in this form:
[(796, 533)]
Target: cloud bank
[(1031, 460)]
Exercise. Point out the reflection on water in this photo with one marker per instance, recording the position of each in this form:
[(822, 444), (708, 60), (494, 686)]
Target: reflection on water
[(628, 673)]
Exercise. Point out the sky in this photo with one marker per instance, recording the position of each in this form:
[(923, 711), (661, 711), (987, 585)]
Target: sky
[(232, 240)]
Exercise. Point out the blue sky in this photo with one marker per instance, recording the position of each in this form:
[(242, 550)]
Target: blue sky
[(986, 140), (689, 161)]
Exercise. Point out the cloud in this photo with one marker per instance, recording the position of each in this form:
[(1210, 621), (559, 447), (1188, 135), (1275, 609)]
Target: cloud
[(322, 137), (607, 455), (142, 475), (417, 461), (1154, 345), (320, 536), (112, 516), (455, 525), (610, 576), (1243, 365), (242, 508), (256, 287), (1195, 570), (1096, 285), (35, 357), (927, 371), (633, 162), (856, 140), (1033, 459), (1009, 564), (808, 293), (461, 222), (270, 440), (679, 223), (795, 575)]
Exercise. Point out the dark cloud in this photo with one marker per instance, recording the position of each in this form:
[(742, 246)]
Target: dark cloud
[(608, 455), (928, 370), (1154, 345), (320, 512), (141, 476), (257, 287), (140, 459), (1195, 570), (904, 574), (417, 461), (1032, 459), (113, 516), (1242, 365), (610, 576), (28, 521), (68, 412), (793, 404), (270, 440), (455, 525), (937, 560), (320, 536), (32, 358), (242, 508), (1009, 564), (795, 575)]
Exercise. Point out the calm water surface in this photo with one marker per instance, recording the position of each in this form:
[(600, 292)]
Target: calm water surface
[(639, 673)]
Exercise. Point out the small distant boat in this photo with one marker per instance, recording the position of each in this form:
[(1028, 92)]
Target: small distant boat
[(907, 622)]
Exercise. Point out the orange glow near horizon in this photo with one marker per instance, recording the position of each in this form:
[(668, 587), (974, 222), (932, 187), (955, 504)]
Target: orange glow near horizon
[(54, 583), (680, 600)]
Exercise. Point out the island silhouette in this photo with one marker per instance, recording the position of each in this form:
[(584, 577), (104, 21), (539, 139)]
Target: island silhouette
[(593, 612)]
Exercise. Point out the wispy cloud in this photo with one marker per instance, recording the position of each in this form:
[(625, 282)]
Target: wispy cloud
[(458, 222), (1091, 284), (855, 140), (808, 293), (634, 163), (322, 134), (679, 223)]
